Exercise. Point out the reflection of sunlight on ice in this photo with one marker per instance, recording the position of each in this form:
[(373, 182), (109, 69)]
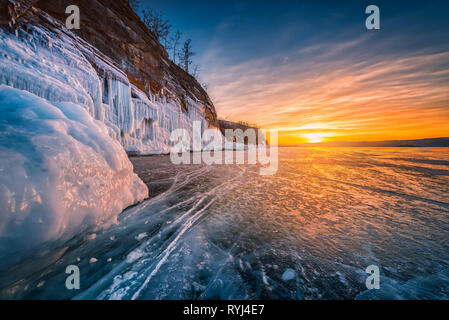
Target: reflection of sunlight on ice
[(309, 231), (317, 223), (314, 137)]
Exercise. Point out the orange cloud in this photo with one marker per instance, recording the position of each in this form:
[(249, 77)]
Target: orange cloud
[(339, 92)]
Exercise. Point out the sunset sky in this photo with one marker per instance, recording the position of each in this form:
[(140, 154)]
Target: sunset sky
[(313, 71)]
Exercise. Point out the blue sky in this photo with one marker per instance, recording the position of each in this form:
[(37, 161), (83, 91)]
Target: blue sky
[(255, 56), (243, 30)]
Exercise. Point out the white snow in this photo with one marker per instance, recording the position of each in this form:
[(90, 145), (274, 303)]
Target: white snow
[(141, 236), (135, 255), (288, 275), (60, 173)]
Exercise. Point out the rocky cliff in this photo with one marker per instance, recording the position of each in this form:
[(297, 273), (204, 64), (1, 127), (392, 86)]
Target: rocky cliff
[(229, 125), (112, 65)]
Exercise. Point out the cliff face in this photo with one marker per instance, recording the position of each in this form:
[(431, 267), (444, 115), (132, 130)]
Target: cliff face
[(112, 64), (114, 29)]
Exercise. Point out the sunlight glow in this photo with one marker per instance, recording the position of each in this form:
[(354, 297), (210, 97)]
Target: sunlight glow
[(314, 137), (339, 95)]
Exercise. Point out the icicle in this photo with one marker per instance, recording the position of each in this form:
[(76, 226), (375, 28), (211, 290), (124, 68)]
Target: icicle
[(55, 69)]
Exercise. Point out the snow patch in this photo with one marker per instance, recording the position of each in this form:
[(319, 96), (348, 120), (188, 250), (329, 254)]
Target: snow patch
[(141, 236), (135, 255), (288, 275)]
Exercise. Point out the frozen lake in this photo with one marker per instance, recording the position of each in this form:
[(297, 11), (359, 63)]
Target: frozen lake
[(225, 232)]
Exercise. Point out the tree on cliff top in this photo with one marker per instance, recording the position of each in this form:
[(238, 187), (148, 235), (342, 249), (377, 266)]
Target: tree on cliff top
[(157, 24), (134, 4), (174, 41), (160, 27), (186, 54)]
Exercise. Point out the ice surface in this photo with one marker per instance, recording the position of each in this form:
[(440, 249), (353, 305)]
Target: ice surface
[(225, 232), (60, 173), (288, 275)]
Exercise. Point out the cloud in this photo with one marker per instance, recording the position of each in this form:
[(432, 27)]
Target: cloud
[(354, 88)]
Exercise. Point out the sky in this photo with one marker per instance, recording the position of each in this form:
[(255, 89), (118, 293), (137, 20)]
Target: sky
[(312, 70)]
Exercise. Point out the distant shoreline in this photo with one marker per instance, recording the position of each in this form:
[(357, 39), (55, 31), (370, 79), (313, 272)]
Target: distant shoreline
[(419, 143), (311, 145)]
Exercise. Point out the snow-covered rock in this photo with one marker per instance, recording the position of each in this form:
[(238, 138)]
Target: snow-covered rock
[(60, 173)]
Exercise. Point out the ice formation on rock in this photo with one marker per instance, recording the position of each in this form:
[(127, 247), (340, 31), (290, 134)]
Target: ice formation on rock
[(60, 67)]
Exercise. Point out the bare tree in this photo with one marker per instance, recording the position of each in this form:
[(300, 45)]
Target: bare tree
[(196, 71), (157, 24), (174, 44), (186, 54), (134, 4)]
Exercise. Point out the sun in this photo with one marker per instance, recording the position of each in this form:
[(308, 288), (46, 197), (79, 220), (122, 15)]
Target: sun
[(314, 137)]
